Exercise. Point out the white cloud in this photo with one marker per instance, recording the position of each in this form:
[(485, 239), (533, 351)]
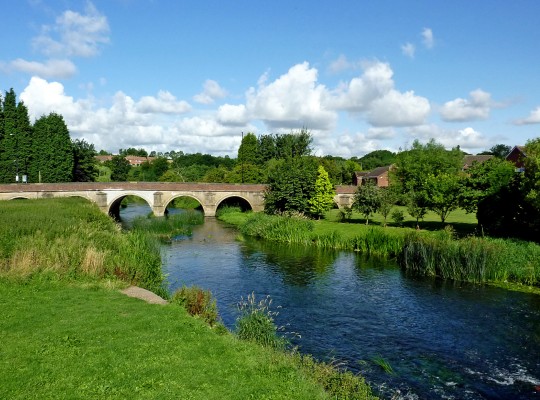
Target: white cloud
[(469, 139), (408, 49), (47, 69), (427, 38), (373, 94), (533, 118), (211, 92), (341, 64), (477, 107), (164, 103), (399, 109), (130, 123), (234, 115), (291, 101), (76, 34)]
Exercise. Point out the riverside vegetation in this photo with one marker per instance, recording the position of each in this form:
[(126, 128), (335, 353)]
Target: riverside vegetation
[(66, 330), (439, 253)]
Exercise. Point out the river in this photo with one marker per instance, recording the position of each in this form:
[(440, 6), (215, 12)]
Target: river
[(440, 339)]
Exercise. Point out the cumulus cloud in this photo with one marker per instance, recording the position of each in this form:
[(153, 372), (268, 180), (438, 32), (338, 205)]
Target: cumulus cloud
[(408, 49), (127, 122), (47, 69), (373, 94), (74, 34), (477, 107), (533, 118), (233, 115), (211, 92), (164, 103), (428, 38), (469, 139), (293, 100)]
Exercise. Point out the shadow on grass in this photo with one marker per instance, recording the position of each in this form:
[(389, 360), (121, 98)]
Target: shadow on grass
[(461, 228)]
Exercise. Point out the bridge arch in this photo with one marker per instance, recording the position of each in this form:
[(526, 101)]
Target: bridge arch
[(114, 205), (235, 201), (171, 199), (19, 197)]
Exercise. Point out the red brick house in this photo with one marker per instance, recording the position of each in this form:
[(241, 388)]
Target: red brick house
[(379, 176), (517, 156)]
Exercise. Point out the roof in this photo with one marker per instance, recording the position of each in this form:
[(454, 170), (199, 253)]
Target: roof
[(469, 160), (374, 173)]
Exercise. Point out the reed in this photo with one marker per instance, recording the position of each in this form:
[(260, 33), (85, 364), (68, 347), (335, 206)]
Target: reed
[(167, 227), (472, 259)]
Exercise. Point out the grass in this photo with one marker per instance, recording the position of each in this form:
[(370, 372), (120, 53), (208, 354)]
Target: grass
[(71, 239), (60, 340), (167, 227), (443, 253), (473, 259), (67, 334)]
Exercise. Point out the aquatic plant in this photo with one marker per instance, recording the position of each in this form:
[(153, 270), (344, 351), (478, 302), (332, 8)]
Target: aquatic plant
[(472, 259)]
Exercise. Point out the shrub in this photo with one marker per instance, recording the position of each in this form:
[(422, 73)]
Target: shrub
[(197, 302), (398, 217)]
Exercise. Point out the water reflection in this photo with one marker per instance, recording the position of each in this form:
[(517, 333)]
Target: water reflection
[(298, 265)]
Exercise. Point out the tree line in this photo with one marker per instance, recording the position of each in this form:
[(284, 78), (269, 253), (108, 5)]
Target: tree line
[(40, 152), (427, 177)]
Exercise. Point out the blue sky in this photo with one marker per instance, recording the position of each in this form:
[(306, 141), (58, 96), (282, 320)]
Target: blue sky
[(360, 75)]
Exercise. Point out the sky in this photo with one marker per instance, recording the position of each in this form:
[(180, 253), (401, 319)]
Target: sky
[(360, 75)]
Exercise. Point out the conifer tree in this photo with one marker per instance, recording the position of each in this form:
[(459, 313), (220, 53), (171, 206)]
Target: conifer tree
[(323, 196)]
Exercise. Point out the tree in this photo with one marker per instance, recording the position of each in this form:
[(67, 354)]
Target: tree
[(323, 196), (414, 165), (388, 200), (483, 180), (293, 144), (248, 152), (377, 158), (367, 200), (84, 161), (500, 150), (245, 173), (417, 205), (531, 179), (266, 146), (442, 193), (291, 183), (120, 168), (160, 165), (52, 151)]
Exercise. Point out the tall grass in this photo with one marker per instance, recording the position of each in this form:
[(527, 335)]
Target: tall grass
[(472, 259), (70, 238), (170, 226), (369, 240)]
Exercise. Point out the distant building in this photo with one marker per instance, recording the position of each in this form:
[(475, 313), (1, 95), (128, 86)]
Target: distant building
[(134, 161), (469, 160), (517, 157), (379, 176)]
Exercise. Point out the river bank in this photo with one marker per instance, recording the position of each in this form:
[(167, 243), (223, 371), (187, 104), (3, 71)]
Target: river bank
[(506, 263), (68, 331)]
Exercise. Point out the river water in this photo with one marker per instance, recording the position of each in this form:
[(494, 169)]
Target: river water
[(440, 339)]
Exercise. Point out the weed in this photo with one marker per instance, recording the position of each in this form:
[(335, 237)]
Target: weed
[(197, 302)]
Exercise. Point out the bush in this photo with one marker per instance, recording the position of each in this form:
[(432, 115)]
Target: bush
[(197, 302), (398, 217)]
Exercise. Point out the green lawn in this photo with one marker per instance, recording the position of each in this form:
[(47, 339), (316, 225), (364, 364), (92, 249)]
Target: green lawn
[(66, 341), (462, 222)]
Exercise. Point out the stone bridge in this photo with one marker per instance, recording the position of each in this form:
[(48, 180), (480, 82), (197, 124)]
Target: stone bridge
[(158, 195)]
